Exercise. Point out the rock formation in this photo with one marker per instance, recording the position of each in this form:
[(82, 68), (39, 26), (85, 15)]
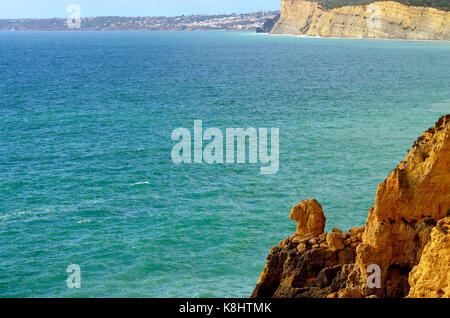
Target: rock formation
[(306, 265), (310, 218), (407, 236), (408, 205), (431, 278), (268, 25), (384, 19)]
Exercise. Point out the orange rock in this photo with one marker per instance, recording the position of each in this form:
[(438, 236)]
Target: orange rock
[(350, 293), (359, 236), (419, 187), (323, 245), (302, 247), (399, 21), (430, 278), (353, 231), (313, 241), (411, 203), (357, 230), (335, 241), (355, 245), (310, 218), (298, 239)]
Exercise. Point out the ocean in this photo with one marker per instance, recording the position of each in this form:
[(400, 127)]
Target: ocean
[(86, 175)]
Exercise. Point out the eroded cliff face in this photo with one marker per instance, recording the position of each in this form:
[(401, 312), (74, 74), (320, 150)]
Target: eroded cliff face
[(384, 19), (408, 203), (406, 236), (431, 278)]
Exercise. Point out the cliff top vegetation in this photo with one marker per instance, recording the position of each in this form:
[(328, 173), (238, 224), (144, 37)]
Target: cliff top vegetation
[(438, 4)]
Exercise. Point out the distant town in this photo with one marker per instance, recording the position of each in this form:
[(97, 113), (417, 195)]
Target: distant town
[(244, 22)]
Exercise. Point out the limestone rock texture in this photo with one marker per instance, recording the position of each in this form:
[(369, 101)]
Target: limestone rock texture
[(407, 235), (304, 267), (408, 205), (268, 25), (310, 218), (431, 278), (383, 19)]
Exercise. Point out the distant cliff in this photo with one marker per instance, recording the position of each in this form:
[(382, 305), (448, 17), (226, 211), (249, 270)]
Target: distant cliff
[(229, 22), (268, 25), (384, 19)]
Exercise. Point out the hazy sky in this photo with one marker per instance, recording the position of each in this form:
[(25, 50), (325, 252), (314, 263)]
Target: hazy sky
[(89, 8)]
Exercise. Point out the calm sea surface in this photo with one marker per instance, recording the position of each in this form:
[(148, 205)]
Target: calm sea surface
[(86, 175)]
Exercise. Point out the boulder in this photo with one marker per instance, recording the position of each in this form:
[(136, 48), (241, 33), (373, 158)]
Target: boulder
[(310, 218), (431, 278), (335, 241)]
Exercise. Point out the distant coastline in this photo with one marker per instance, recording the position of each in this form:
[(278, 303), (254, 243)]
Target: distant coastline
[(225, 22)]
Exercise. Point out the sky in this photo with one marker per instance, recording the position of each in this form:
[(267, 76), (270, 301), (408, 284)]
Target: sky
[(89, 8)]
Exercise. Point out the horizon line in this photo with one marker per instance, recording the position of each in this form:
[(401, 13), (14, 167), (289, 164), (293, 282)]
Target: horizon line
[(145, 16)]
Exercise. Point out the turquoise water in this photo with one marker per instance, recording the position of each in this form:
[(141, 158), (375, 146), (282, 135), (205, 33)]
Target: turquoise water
[(86, 175)]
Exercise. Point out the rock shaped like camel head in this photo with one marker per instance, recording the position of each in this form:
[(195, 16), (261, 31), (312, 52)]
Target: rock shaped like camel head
[(310, 218)]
